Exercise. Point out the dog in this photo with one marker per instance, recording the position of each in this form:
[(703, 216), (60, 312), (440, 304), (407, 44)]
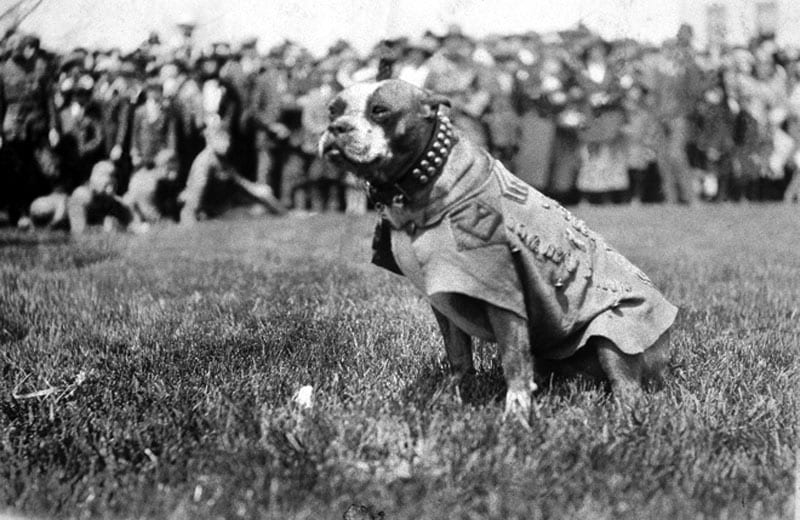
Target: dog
[(496, 258)]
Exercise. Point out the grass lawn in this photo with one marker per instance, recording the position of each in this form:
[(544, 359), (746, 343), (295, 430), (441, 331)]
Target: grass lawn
[(152, 377)]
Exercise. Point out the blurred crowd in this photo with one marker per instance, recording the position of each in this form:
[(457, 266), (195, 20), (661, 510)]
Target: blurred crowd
[(97, 136)]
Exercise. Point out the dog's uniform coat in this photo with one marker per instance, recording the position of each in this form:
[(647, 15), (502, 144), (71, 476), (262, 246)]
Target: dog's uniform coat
[(494, 238)]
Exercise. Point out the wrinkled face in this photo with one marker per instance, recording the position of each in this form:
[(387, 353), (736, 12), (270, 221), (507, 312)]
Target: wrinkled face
[(377, 129)]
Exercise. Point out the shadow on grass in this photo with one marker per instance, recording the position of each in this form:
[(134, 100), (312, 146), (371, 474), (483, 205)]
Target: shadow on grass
[(14, 238), (487, 385), (52, 254), (11, 330), (434, 383)]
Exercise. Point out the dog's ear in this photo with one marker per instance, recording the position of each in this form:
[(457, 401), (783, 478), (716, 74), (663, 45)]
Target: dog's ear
[(431, 103)]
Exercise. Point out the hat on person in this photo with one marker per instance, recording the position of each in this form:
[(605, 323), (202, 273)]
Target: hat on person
[(221, 49), (75, 58), (248, 44), (595, 43), (425, 44), (341, 45), (29, 40)]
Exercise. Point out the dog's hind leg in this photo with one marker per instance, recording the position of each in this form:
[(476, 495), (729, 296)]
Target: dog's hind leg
[(623, 370), (655, 360)]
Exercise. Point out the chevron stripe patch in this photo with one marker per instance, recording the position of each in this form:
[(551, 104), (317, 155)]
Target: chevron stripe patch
[(514, 188)]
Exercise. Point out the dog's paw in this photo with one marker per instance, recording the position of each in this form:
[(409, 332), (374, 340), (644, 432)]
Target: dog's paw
[(627, 397), (518, 405)]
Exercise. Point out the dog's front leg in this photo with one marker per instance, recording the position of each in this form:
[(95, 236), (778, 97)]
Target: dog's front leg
[(458, 345), (513, 339)]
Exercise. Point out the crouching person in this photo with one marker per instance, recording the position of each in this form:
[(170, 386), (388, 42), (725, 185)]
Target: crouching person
[(213, 186), (50, 211), (96, 202), (151, 191)]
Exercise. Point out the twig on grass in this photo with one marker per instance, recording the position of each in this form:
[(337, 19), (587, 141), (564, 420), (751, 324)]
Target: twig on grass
[(50, 390)]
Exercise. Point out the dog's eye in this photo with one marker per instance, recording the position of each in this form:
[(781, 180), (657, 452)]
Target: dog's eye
[(379, 110)]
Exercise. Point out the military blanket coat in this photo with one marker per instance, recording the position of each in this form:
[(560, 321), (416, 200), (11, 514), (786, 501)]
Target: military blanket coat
[(499, 240)]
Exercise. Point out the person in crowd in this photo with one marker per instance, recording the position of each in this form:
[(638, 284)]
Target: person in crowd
[(676, 86), (50, 211), (318, 186), (214, 186), (567, 146), (221, 104), (182, 89), (752, 139), (772, 81), (81, 143), (153, 127), (296, 153), (538, 95), (639, 123), (117, 91), (791, 193), (500, 119), (413, 66), (96, 202), (642, 142), (603, 176), (714, 139), (152, 192), (29, 128), (454, 73), (260, 91)]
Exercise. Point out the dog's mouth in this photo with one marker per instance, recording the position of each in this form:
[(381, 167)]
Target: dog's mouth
[(343, 157)]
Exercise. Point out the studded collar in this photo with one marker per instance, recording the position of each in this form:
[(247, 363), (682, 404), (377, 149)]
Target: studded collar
[(425, 168)]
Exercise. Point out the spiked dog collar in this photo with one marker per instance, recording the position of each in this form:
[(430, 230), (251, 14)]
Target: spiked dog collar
[(425, 168)]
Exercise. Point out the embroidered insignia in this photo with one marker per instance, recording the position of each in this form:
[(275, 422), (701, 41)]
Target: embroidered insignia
[(571, 263), (475, 225), (532, 242), (514, 188), (552, 252), (574, 240)]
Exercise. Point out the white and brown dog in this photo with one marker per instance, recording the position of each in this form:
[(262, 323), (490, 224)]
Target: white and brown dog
[(497, 259)]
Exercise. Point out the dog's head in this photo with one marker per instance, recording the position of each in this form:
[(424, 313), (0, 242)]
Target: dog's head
[(377, 129)]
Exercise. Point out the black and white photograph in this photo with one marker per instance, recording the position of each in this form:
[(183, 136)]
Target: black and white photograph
[(400, 259)]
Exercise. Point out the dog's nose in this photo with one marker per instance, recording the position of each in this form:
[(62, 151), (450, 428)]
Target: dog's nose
[(340, 127)]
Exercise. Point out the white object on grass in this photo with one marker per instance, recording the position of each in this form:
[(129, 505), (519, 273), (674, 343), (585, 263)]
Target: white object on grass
[(304, 398)]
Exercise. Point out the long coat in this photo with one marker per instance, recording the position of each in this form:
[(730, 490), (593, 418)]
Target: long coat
[(81, 144), (26, 108), (150, 134)]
